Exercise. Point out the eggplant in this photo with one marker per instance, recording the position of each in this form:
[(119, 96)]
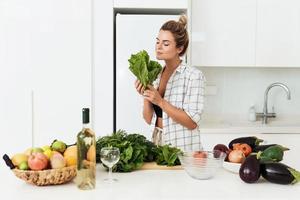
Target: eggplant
[(252, 141), (250, 169), (279, 173), (262, 147), (272, 153)]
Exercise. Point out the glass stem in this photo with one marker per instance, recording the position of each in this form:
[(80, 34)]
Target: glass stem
[(110, 174)]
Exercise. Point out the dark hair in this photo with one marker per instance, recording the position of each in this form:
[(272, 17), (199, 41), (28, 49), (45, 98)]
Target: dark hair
[(178, 29)]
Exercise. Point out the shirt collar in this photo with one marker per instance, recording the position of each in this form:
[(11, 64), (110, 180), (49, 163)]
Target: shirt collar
[(181, 67)]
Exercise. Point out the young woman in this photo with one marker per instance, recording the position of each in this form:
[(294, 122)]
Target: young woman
[(173, 105)]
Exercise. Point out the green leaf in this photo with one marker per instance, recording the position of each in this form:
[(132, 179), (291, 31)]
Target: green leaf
[(128, 153), (143, 68)]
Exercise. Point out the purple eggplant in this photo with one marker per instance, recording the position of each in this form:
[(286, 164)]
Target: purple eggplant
[(279, 173), (252, 141), (250, 169)]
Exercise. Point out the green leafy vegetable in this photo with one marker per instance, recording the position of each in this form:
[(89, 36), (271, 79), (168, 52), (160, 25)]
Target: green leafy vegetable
[(167, 155), (143, 68), (135, 149)]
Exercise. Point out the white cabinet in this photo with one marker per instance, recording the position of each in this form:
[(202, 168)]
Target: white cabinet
[(45, 48), (151, 4), (261, 33), (223, 33), (278, 30)]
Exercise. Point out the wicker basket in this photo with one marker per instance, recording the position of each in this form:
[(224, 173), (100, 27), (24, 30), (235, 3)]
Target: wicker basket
[(47, 177)]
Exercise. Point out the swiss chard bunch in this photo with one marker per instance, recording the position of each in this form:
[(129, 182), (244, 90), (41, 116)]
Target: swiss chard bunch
[(143, 68)]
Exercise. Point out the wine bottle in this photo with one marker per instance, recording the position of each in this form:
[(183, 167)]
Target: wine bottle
[(86, 154)]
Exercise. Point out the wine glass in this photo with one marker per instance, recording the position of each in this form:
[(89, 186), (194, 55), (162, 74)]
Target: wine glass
[(109, 157)]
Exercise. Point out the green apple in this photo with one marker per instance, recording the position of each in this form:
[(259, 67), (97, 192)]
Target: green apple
[(24, 165)]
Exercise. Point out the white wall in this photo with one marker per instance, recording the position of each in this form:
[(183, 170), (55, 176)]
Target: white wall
[(45, 47), (238, 88)]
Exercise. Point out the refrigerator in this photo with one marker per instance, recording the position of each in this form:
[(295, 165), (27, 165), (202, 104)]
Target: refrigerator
[(133, 33)]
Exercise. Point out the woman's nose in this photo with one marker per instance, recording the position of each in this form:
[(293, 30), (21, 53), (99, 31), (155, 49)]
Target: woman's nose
[(158, 46)]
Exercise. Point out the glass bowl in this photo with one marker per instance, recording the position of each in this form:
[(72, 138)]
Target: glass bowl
[(202, 164)]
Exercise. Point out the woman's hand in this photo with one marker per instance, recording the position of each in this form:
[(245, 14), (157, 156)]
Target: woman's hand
[(151, 94), (139, 87)]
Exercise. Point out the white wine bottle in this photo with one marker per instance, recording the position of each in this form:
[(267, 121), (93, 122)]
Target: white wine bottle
[(86, 154)]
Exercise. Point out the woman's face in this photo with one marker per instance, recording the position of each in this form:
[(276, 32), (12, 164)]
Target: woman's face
[(166, 46)]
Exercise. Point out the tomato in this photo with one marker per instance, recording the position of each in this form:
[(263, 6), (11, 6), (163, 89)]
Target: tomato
[(245, 148)]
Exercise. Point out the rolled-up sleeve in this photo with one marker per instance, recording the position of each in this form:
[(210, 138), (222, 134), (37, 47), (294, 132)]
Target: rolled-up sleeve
[(194, 98)]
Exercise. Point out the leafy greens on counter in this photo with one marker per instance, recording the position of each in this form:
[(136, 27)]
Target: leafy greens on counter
[(135, 149), (143, 68)]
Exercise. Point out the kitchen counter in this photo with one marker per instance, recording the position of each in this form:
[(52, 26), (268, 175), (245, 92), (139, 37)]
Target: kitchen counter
[(150, 184)]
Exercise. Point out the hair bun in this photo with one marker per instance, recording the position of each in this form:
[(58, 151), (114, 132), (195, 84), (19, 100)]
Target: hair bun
[(183, 20)]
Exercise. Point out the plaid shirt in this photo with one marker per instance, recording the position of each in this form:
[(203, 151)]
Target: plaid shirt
[(184, 90)]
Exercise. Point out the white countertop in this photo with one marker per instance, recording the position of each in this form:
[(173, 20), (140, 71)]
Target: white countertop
[(150, 184)]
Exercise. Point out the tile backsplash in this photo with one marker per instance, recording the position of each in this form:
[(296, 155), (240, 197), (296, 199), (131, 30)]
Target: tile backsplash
[(234, 90)]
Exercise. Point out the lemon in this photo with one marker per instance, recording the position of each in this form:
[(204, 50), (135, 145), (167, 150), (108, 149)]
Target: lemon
[(18, 158), (48, 153), (46, 147)]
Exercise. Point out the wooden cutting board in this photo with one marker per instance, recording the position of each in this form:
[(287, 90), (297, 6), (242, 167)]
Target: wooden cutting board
[(154, 166)]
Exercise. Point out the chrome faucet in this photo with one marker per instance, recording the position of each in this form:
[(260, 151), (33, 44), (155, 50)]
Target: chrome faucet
[(265, 115)]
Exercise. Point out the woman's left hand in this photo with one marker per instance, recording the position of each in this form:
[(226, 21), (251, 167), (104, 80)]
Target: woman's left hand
[(153, 95)]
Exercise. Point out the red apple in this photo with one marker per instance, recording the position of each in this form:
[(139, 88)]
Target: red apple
[(37, 161)]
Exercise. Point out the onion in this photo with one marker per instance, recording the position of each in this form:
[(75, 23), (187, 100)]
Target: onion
[(236, 156)]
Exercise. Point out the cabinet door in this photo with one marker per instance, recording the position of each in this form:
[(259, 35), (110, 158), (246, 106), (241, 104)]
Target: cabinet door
[(278, 30), (61, 48), (223, 33)]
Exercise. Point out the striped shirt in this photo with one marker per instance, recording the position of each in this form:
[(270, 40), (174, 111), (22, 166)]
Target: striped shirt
[(184, 90)]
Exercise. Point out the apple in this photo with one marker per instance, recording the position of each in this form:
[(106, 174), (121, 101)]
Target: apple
[(37, 161)]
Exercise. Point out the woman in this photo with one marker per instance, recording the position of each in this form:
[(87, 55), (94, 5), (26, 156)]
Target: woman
[(173, 105)]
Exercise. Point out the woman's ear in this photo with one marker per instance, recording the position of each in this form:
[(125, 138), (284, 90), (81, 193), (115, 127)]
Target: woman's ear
[(179, 50)]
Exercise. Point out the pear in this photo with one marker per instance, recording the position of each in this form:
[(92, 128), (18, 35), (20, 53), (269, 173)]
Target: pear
[(57, 161), (58, 146)]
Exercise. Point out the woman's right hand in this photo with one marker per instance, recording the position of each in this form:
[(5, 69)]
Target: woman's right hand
[(139, 87)]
